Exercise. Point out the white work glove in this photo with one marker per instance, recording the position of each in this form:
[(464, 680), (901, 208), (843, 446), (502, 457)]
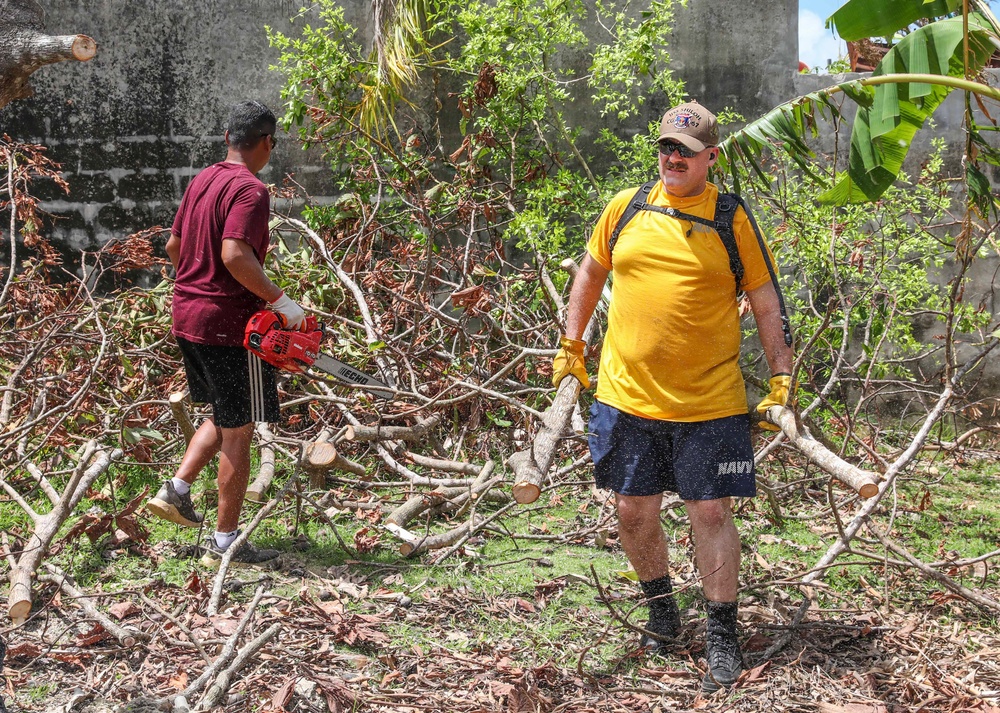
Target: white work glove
[(292, 316)]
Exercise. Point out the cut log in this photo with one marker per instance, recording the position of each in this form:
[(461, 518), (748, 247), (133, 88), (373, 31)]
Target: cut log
[(319, 457), (322, 456), (258, 488), (532, 466), (863, 482), (24, 47), (178, 407), (416, 432)]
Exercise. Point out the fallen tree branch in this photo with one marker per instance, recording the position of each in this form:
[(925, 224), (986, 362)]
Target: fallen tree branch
[(863, 482), (126, 636), (980, 600), (441, 499), (225, 656), (863, 515), (46, 526), (451, 466), (442, 539), (218, 689)]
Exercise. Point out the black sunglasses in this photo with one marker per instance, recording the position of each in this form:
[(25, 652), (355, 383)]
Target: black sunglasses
[(274, 140), (667, 148)]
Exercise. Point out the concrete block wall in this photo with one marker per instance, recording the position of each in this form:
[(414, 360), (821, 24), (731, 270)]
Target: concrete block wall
[(133, 126)]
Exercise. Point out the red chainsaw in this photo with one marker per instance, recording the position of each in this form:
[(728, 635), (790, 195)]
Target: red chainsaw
[(296, 351)]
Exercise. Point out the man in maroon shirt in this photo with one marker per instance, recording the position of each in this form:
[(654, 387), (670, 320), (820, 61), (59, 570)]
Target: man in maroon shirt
[(217, 246)]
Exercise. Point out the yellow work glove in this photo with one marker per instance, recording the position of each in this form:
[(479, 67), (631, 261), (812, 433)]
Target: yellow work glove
[(570, 360), (780, 384)]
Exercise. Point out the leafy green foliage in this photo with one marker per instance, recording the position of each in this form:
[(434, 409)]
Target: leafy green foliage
[(891, 114), (858, 19), (864, 285), (910, 82), (515, 169)]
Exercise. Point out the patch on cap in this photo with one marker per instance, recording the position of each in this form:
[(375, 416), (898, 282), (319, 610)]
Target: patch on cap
[(691, 124)]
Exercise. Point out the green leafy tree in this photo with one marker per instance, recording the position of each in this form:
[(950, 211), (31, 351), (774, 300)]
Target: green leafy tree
[(509, 69), (926, 64)]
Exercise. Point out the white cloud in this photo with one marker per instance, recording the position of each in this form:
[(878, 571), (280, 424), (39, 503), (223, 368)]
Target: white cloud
[(816, 43)]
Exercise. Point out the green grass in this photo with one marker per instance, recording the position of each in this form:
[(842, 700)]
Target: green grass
[(41, 692), (943, 511), (538, 591)]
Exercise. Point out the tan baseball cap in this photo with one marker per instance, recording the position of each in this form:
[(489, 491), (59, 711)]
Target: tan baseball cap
[(692, 125)]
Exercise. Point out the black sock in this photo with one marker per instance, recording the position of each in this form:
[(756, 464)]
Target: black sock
[(722, 615), (659, 594)]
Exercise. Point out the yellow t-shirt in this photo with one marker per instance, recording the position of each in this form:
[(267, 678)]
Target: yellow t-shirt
[(673, 342)]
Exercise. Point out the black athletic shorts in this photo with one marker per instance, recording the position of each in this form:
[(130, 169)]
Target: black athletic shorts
[(239, 385), (704, 460)]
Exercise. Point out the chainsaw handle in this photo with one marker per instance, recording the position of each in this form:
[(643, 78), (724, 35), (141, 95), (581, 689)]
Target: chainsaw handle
[(309, 323)]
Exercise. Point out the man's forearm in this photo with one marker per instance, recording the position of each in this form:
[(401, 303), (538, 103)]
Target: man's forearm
[(242, 264), (584, 295), (772, 339), (767, 315)]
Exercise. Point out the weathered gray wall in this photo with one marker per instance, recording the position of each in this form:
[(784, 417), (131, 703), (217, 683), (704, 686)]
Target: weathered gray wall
[(132, 126), (743, 55), (135, 124)]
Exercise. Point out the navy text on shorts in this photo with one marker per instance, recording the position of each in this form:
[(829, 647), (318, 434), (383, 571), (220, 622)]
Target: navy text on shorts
[(702, 460)]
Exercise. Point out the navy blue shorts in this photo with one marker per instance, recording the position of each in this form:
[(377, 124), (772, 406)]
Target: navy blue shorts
[(704, 460), (239, 385)]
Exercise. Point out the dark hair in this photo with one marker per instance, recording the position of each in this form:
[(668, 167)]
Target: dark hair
[(248, 121)]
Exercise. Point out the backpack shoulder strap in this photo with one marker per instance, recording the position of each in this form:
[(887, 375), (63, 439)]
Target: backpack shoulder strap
[(635, 204), (725, 215)]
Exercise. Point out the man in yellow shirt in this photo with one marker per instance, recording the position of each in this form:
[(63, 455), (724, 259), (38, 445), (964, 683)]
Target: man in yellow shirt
[(671, 410)]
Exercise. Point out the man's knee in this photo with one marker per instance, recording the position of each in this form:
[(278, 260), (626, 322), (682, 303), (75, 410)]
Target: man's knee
[(710, 515), (236, 437), (635, 514)]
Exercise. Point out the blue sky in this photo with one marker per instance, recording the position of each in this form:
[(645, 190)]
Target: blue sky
[(816, 43)]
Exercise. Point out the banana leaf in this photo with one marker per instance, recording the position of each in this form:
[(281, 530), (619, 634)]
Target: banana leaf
[(859, 19), (883, 130), (786, 126)]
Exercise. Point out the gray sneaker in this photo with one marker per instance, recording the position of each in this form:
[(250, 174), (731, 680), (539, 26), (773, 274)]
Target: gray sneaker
[(248, 554), (170, 505)]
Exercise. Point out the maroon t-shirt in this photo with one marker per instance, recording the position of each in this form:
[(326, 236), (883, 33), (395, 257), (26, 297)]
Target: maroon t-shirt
[(225, 201)]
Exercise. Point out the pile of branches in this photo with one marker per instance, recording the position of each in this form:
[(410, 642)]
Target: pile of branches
[(463, 335)]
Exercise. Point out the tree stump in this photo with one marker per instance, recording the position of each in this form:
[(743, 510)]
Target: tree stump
[(24, 47)]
